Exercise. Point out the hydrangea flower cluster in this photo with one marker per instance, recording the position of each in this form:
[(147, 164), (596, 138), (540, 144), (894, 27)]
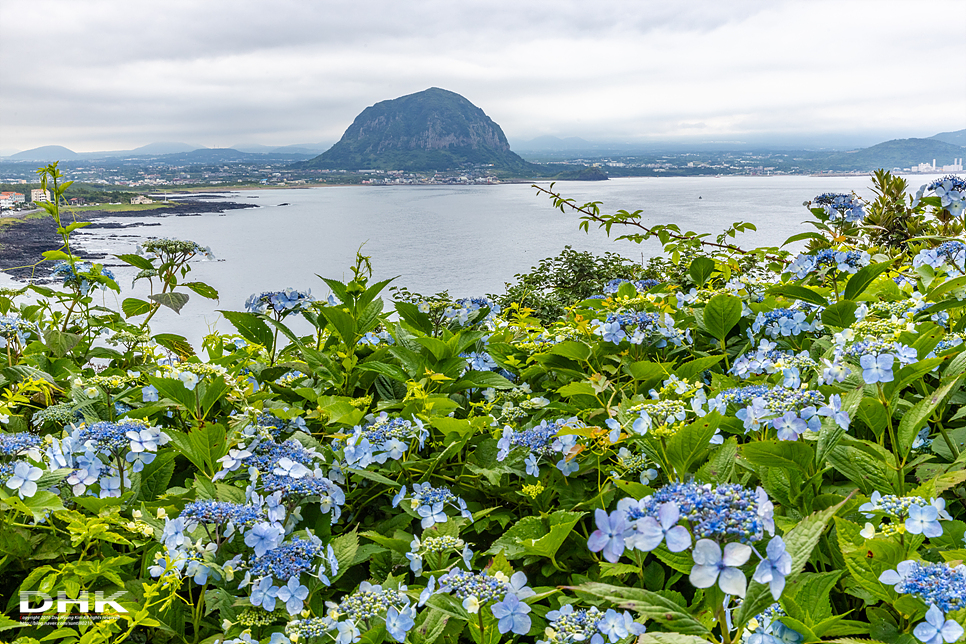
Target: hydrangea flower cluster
[(508, 405), (544, 443), (369, 607), (935, 583), (430, 503), (768, 360), (919, 515), (630, 463), (828, 259), (464, 311), (381, 439), (798, 409), (77, 276), (504, 594), (841, 207), (281, 303), (15, 331), (375, 338), (784, 322), (287, 468), (949, 256), (285, 564), (951, 191), (713, 514), (437, 546), (611, 287), (569, 625), (638, 327)]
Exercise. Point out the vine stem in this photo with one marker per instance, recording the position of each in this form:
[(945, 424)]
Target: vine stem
[(560, 202)]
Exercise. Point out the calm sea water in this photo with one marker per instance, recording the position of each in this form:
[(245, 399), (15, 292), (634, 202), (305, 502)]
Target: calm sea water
[(469, 240)]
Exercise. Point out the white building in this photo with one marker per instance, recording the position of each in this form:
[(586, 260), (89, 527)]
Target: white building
[(39, 195), (141, 199), (957, 166)]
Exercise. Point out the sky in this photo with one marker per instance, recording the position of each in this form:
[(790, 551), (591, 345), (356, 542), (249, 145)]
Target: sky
[(116, 74)]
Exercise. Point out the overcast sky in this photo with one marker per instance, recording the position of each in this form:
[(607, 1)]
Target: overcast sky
[(117, 74)]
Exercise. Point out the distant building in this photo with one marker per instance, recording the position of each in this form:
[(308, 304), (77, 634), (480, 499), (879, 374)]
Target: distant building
[(10, 199), (140, 199), (39, 195), (957, 166)]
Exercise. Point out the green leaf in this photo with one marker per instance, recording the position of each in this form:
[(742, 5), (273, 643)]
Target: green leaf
[(373, 476), (649, 604), (561, 525), (645, 371), (174, 301), (914, 419), (340, 317), (345, 547), (250, 327), (866, 471), (482, 380), (863, 278), (872, 413), (61, 343), (801, 236), (798, 292), (721, 314), (572, 350), (700, 270), (388, 370), (177, 343), (156, 476), (690, 443), (137, 261), (840, 315), (56, 255), (689, 370), (945, 287), (132, 307), (202, 289), (784, 454)]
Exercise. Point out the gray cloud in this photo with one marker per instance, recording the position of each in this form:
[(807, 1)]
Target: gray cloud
[(113, 74)]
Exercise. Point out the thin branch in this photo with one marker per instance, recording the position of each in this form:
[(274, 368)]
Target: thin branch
[(560, 201)]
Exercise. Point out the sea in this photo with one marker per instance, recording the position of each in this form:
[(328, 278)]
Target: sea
[(464, 239)]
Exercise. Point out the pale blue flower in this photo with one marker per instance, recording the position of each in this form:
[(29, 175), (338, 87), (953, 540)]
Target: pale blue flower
[(24, 479), (710, 566), (877, 368), (264, 537), (937, 629), (609, 536), (653, 531), (773, 569), (924, 521), (512, 614), (293, 594), (398, 623)]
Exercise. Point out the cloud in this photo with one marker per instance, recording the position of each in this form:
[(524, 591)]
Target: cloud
[(111, 74)]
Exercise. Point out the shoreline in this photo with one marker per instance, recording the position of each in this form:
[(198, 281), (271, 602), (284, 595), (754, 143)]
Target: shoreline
[(23, 241)]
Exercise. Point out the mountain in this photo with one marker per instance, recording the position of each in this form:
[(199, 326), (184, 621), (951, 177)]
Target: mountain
[(898, 153), (956, 138), (45, 154), (430, 130), (164, 148)]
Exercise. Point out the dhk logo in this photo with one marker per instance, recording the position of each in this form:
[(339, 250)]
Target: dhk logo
[(64, 603)]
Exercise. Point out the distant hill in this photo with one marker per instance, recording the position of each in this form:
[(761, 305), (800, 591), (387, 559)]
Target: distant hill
[(430, 130), (45, 154), (165, 148), (956, 138), (898, 153)]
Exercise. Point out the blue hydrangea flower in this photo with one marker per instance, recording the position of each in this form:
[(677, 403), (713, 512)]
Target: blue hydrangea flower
[(293, 594), (773, 569), (24, 479), (877, 368), (609, 535), (937, 629), (710, 566), (512, 615)]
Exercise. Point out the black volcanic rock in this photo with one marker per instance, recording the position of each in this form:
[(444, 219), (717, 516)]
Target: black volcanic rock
[(430, 130)]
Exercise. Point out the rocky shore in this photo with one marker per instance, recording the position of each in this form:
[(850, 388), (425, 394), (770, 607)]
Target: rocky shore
[(23, 243)]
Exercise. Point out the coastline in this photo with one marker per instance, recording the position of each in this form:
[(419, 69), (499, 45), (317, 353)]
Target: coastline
[(24, 239)]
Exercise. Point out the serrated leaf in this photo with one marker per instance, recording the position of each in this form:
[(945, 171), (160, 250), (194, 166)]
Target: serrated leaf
[(863, 278), (649, 604), (174, 301), (133, 307), (721, 314), (914, 419)]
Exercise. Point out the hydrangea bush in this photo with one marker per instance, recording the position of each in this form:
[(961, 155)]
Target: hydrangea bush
[(758, 446)]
